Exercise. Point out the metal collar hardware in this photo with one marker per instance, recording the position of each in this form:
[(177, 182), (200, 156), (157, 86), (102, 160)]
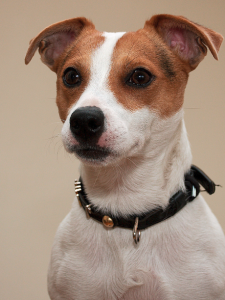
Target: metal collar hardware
[(193, 179), (107, 222), (136, 232), (88, 210), (78, 189)]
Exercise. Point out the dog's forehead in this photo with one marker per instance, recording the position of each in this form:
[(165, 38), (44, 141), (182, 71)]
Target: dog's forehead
[(132, 43), (125, 45), (102, 57)]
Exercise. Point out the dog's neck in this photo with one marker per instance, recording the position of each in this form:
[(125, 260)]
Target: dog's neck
[(138, 184)]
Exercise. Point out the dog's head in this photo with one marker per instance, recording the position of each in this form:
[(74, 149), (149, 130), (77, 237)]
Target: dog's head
[(112, 87)]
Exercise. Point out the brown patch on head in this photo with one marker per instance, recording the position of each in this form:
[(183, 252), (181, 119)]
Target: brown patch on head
[(77, 56), (145, 49), (165, 62), (68, 43)]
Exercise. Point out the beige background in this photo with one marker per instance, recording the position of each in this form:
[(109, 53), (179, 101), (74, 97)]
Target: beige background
[(36, 174)]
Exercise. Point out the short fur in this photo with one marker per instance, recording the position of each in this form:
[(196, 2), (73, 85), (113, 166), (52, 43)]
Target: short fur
[(182, 258)]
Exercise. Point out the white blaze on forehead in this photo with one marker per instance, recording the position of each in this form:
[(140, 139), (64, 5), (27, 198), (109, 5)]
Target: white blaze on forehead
[(101, 59)]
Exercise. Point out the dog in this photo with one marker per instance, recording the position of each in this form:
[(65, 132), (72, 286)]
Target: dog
[(120, 98)]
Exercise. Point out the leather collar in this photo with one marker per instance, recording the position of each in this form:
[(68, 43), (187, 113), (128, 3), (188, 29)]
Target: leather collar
[(193, 179)]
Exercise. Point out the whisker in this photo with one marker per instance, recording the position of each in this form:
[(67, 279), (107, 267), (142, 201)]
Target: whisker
[(58, 122), (132, 60), (131, 161), (59, 148), (192, 107), (54, 136)]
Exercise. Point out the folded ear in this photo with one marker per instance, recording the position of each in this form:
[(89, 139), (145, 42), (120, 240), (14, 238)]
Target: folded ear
[(187, 39), (53, 40)]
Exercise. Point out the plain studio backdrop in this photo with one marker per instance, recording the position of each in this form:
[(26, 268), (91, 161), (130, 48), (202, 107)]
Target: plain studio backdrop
[(36, 174)]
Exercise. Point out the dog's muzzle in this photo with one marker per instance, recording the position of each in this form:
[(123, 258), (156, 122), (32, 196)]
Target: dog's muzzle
[(87, 125)]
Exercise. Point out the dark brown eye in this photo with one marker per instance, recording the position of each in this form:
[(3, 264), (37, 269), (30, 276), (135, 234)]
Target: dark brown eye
[(71, 77), (140, 78)]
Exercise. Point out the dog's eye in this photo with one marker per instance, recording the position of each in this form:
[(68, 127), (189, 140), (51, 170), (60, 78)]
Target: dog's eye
[(71, 77), (140, 78)]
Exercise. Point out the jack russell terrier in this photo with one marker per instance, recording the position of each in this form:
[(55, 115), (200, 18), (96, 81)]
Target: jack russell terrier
[(140, 229)]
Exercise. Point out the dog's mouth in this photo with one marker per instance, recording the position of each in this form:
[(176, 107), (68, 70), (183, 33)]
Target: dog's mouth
[(91, 153)]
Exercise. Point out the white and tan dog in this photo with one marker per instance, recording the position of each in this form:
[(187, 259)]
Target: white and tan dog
[(120, 97)]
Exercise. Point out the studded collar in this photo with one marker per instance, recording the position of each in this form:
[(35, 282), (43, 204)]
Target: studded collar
[(193, 179)]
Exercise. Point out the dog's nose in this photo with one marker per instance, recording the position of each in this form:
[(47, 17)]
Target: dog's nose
[(87, 124)]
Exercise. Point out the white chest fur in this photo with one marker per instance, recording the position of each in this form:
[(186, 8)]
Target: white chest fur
[(90, 262)]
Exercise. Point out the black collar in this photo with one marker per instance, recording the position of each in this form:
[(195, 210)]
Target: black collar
[(193, 179)]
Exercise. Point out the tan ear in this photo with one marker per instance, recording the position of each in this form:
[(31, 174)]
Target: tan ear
[(53, 40), (187, 39)]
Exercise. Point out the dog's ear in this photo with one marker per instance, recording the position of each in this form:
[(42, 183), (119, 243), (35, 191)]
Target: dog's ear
[(53, 40), (187, 39)]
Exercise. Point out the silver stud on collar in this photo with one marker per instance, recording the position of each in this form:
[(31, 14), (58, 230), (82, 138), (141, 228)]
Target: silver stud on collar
[(136, 232), (78, 189), (88, 210), (77, 185), (194, 192)]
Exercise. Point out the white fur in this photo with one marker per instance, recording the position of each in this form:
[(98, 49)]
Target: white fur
[(181, 258)]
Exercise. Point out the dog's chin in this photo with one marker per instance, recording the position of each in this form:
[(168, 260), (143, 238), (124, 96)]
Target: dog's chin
[(101, 156), (92, 155)]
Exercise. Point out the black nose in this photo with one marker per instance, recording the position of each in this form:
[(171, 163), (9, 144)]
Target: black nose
[(87, 124)]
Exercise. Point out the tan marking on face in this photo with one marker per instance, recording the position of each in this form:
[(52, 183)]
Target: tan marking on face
[(77, 56), (145, 49)]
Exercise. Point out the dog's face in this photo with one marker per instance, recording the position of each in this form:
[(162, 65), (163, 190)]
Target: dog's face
[(115, 90)]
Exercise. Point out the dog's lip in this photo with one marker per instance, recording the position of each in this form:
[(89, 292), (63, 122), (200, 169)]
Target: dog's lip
[(92, 152)]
